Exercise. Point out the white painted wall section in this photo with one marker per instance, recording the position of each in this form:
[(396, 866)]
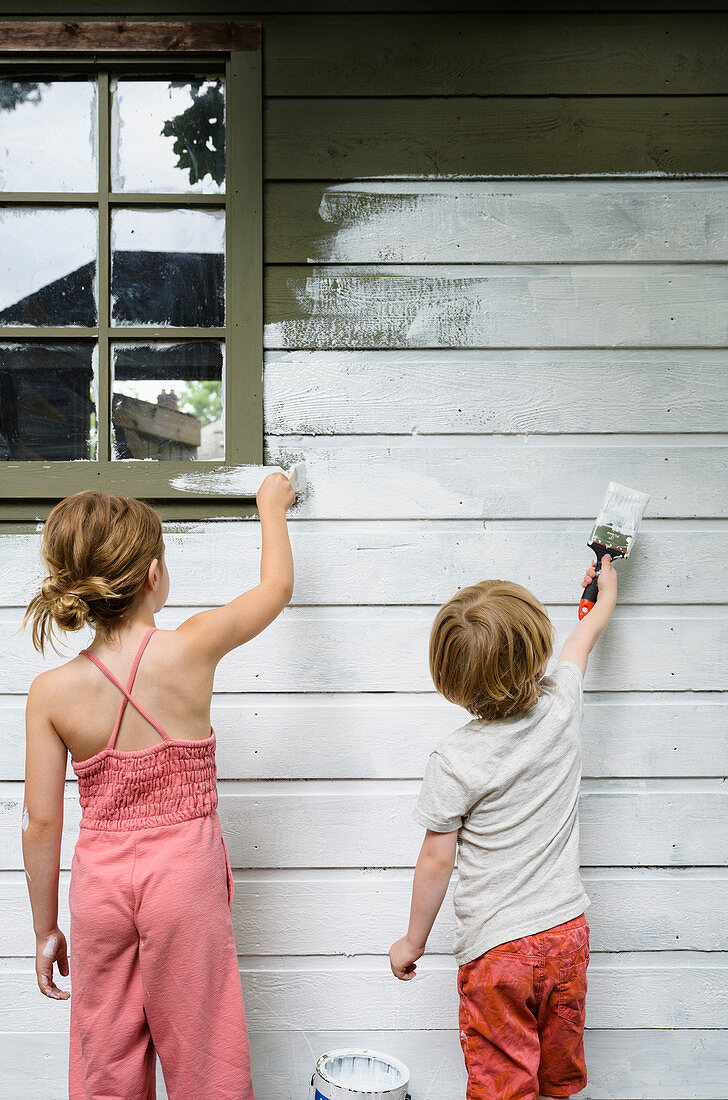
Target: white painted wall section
[(469, 364)]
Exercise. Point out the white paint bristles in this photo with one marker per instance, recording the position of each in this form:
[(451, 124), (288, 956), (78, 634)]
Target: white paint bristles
[(619, 518)]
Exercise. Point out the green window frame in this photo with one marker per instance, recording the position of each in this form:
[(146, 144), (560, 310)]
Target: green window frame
[(30, 488)]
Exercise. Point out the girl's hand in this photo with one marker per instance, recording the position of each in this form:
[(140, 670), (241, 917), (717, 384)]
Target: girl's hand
[(275, 492), (48, 950), (402, 958)]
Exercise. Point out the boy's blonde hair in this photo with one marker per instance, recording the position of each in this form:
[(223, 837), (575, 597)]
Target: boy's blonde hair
[(488, 647), (97, 548)]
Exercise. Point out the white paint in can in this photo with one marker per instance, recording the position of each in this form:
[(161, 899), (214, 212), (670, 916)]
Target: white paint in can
[(347, 1074)]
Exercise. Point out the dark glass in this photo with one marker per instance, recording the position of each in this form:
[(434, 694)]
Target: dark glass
[(168, 267), (48, 266), (167, 400), (47, 401)]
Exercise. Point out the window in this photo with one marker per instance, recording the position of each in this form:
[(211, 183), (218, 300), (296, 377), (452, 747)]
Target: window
[(130, 260)]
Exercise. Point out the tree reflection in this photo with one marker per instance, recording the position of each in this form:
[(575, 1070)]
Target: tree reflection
[(12, 93), (199, 131)]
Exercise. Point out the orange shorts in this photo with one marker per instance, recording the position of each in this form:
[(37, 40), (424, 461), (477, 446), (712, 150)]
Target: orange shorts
[(522, 1015)]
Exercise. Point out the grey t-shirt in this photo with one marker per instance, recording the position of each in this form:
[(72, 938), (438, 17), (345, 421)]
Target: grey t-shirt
[(511, 788)]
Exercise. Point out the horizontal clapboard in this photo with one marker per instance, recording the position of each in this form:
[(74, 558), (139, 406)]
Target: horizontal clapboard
[(482, 305), (498, 53), (365, 823), (518, 222), (385, 649), (485, 392), (622, 1063), (389, 736), (512, 477), (344, 138), (371, 562), (362, 912), (628, 990)]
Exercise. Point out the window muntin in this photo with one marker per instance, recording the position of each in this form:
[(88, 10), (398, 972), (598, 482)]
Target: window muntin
[(165, 269)]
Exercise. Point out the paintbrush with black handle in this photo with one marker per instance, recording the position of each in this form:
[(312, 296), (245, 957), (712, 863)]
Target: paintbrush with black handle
[(613, 533)]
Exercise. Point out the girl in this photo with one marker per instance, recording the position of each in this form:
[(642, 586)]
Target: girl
[(154, 965)]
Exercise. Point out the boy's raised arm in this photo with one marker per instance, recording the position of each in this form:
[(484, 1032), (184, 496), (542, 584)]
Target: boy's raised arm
[(583, 637)]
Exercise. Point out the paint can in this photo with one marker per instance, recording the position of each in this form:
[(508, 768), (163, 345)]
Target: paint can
[(347, 1074)]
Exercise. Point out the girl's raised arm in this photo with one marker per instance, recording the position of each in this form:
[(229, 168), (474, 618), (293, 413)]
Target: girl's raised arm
[(42, 826), (216, 632)]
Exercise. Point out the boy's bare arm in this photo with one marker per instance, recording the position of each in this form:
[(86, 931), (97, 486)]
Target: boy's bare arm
[(583, 637), (432, 876)]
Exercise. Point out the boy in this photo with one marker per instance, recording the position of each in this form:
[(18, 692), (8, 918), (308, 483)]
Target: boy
[(502, 791)]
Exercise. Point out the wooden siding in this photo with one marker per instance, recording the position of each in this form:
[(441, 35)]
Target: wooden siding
[(463, 363)]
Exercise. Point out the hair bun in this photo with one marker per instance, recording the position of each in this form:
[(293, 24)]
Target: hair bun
[(66, 607)]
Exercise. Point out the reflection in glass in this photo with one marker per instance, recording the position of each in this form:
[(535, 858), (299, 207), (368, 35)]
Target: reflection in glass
[(167, 267), (168, 135), (167, 400), (48, 401), (48, 135), (48, 266)]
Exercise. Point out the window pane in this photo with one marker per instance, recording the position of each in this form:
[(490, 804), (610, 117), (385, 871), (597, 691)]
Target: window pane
[(168, 135), (47, 266), (167, 400), (48, 135), (48, 401), (167, 267)]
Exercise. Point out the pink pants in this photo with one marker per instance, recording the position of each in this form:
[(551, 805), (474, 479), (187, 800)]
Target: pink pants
[(154, 966)]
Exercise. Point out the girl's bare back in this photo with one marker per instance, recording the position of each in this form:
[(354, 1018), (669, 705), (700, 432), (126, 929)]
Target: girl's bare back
[(174, 683)]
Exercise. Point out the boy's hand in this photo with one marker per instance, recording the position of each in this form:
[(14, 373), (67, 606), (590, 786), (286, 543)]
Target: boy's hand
[(48, 950), (583, 637), (275, 492), (607, 580), (402, 958)]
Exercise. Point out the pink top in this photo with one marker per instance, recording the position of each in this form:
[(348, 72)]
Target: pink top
[(165, 783)]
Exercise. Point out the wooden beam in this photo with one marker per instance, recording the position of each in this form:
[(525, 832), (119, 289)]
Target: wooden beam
[(118, 35), (340, 139), (496, 53)]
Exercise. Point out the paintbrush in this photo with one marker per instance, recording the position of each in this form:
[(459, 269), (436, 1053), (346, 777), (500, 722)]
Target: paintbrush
[(613, 533), (296, 474)]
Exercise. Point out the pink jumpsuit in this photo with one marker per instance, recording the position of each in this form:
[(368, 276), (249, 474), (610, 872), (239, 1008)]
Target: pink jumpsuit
[(153, 961)]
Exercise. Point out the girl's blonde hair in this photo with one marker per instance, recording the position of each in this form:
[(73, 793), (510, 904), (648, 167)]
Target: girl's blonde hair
[(488, 647), (97, 548)]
